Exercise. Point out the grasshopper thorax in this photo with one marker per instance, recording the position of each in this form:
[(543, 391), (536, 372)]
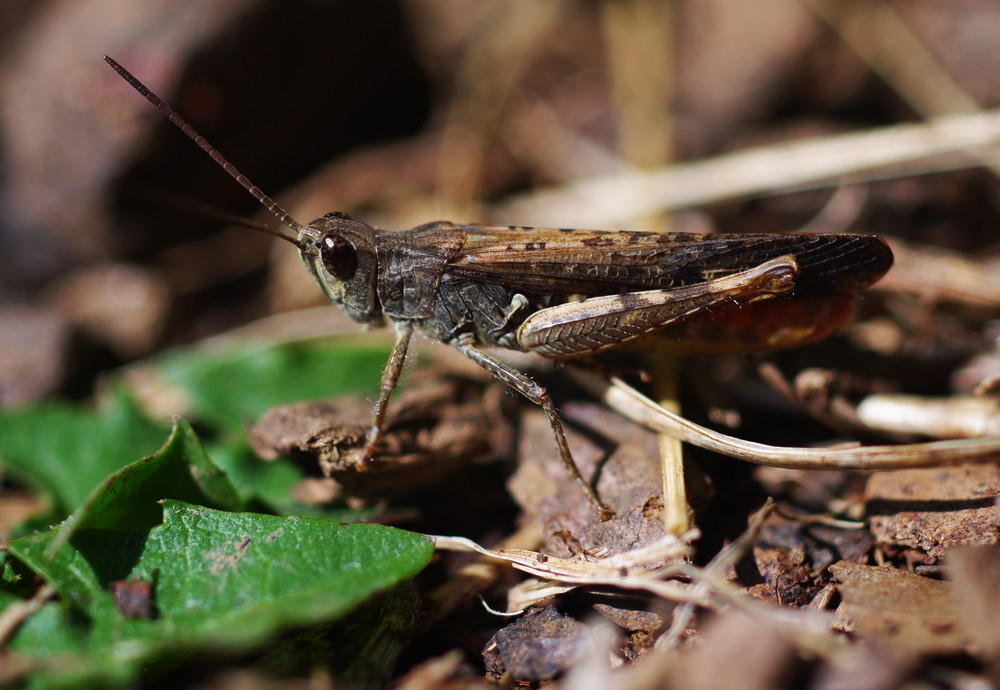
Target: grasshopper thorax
[(340, 253)]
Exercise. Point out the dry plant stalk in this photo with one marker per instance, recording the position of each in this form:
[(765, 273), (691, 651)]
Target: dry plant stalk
[(645, 569), (635, 406), (641, 569), (640, 41), (609, 200)]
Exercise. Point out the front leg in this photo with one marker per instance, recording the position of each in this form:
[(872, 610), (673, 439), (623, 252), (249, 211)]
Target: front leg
[(537, 394), (390, 378)]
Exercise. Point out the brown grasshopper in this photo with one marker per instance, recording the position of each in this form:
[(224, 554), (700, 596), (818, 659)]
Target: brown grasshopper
[(570, 293)]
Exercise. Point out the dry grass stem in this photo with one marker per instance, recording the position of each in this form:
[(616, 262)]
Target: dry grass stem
[(640, 409), (614, 199), (630, 570)]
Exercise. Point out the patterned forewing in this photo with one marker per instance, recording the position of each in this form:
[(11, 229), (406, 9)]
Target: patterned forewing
[(596, 262)]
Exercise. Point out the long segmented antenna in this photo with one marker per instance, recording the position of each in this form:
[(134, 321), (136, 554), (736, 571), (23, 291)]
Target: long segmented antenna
[(214, 153)]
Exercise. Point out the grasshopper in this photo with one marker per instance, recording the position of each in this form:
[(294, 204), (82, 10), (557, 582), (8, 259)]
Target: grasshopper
[(566, 293)]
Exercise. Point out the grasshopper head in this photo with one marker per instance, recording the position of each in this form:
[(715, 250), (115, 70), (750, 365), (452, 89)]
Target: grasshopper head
[(340, 253)]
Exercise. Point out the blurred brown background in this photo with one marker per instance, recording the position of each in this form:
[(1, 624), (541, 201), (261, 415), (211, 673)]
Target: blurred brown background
[(406, 111)]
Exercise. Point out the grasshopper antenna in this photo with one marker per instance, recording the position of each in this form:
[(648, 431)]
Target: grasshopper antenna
[(192, 206), (215, 155)]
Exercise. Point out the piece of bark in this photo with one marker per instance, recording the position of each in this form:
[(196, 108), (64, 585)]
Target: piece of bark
[(935, 509), (436, 424), (631, 618), (624, 459), (538, 646), (792, 558), (788, 577), (905, 612)]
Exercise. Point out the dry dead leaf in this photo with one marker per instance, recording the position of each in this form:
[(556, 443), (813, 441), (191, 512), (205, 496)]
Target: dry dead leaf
[(32, 344), (538, 646), (935, 509), (903, 611), (437, 424), (118, 305), (624, 459)]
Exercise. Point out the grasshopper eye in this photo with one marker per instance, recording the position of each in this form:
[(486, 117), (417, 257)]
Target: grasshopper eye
[(338, 256)]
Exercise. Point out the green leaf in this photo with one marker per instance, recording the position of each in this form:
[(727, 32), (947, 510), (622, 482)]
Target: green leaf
[(270, 483), (130, 498), (245, 574), (227, 387), (253, 477), (63, 451), (220, 581)]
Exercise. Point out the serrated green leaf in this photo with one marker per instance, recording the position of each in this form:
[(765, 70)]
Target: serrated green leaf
[(129, 498), (300, 569), (222, 580)]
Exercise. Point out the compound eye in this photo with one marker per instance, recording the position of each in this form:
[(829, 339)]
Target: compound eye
[(338, 256)]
